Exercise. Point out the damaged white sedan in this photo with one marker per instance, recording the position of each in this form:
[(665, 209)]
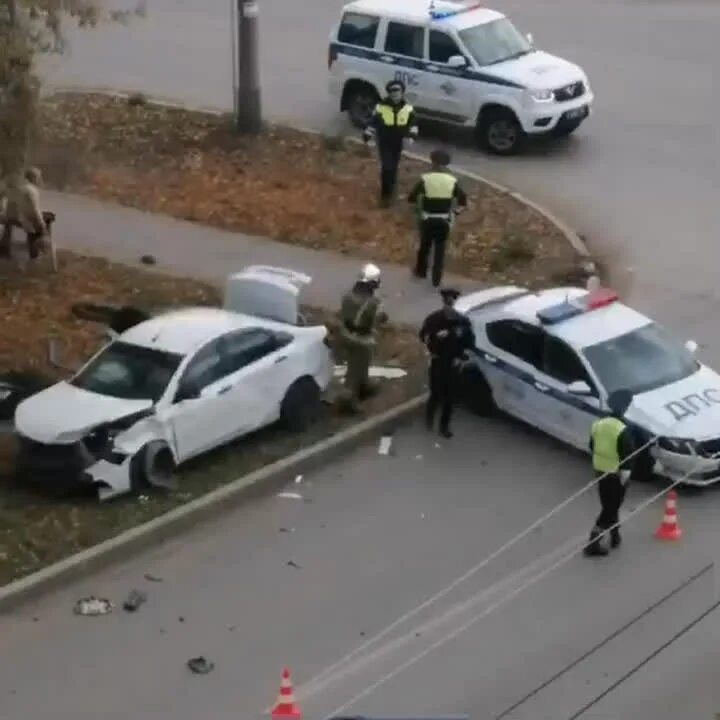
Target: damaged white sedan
[(177, 385)]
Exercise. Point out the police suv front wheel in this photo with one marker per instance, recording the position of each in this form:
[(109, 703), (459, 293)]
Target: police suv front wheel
[(359, 102), (499, 132)]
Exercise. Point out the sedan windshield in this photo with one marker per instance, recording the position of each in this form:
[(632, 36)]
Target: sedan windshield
[(130, 372), (495, 42), (641, 360)]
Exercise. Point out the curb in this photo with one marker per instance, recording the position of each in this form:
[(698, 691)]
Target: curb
[(571, 236), (160, 529)]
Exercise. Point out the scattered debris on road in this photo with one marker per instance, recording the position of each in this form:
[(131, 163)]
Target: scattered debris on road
[(292, 563), (152, 578), (290, 496), (287, 530), (200, 665), (148, 260), (93, 606), (134, 600), (385, 445), (181, 619)]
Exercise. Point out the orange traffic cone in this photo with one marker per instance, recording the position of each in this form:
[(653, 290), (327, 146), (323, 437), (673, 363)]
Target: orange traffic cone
[(285, 706), (669, 528)]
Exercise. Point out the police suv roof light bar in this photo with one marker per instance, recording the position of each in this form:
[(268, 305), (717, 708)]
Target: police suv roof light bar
[(464, 7), (602, 297)]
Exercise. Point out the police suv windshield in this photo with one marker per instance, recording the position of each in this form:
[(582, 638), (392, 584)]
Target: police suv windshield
[(495, 42), (641, 360)]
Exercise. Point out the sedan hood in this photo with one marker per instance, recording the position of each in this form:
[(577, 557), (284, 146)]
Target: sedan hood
[(688, 409), (64, 413), (538, 71)]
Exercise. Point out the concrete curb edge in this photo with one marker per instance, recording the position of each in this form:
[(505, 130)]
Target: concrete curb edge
[(165, 526), (570, 235)]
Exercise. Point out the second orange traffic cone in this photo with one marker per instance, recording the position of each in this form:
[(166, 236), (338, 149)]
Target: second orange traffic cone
[(669, 528), (285, 706)]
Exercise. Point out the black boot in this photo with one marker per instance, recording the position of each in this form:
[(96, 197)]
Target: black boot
[(596, 547), (615, 539), (446, 432)]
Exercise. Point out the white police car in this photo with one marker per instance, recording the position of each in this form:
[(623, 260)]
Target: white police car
[(461, 63), (552, 357)]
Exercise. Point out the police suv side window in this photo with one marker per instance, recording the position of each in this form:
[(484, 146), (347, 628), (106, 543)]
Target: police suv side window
[(562, 363), (517, 338), (442, 47), (358, 30), (405, 40)]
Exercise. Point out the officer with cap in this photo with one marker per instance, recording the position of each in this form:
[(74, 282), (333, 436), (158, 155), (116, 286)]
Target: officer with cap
[(448, 336), (360, 314), (392, 121), (612, 445), (439, 194)]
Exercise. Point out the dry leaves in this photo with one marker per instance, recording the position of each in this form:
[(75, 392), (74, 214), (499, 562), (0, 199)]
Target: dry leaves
[(299, 188)]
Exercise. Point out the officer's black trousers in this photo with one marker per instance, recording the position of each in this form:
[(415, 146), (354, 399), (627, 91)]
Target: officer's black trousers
[(443, 385), (612, 494), (433, 236), (390, 154)]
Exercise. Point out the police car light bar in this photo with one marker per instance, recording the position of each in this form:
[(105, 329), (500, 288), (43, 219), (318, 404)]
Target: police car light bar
[(602, 297), (441, 14)]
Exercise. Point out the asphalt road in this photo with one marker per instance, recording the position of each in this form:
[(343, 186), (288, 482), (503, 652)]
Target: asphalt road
[(380, 536), (640, 179)]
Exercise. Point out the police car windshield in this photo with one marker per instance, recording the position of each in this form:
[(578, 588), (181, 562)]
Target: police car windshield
[(495, 42), (641, 360)]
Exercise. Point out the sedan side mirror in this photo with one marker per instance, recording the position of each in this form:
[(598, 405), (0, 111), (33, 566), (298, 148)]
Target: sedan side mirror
[(691, 346), (579, 387), (457, 62)]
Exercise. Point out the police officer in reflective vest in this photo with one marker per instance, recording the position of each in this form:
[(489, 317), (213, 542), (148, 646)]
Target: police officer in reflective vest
[(392, 121), (448, 336), (439, 194), (611, 444), (360, 313)]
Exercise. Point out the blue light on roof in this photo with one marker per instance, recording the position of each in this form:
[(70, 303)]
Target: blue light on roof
[(442, 14), (558, 313)]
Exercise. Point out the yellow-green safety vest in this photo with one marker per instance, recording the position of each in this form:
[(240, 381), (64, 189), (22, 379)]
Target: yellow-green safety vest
[(388, 117), (439, 185), (605, 433)]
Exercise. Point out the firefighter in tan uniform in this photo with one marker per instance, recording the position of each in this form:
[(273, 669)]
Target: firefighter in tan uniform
[(360, 314)]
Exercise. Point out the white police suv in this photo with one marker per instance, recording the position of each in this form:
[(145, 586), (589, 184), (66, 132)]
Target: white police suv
[(461, 63), (552, 358)]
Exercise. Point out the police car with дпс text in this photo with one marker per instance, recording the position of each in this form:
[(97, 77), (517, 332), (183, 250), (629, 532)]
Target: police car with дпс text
[(462, 64), (552, 358)]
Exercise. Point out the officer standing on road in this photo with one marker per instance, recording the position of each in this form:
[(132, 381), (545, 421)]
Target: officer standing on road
[(611, 444), (439, 194), (392, 121), (448, 335), (360, 314)]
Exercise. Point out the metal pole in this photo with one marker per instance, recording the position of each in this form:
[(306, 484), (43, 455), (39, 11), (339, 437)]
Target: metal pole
[(233, 44), (249, 114)]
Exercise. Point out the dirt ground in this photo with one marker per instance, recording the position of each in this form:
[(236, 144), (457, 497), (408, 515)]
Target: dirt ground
[(299, 188), (36, 530)]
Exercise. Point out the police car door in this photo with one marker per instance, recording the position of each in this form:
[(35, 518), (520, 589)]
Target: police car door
[(570, 414), (514, 355), (448, 95), (402, 59)]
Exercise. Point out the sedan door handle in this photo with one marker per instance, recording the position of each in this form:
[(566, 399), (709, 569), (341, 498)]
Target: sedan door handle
[(281, 359), (432, 68), (225, 389), (541, 387)]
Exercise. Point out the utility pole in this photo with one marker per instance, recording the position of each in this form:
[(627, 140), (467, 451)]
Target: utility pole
[(248, 109)]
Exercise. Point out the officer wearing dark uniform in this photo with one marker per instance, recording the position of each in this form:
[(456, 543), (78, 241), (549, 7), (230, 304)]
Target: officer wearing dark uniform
[(438, 193), (611, 444), (448, 335), (392, 121)]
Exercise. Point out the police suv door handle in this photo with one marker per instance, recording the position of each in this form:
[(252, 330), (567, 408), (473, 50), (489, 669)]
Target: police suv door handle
[(225, 389), (432, 68), (541, 387), (282, 358)]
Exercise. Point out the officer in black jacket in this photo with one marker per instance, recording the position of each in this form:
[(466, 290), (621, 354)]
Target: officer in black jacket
[(448, 336), (392, 121)]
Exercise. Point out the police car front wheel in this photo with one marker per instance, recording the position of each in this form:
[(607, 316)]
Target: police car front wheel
[(499, 132)]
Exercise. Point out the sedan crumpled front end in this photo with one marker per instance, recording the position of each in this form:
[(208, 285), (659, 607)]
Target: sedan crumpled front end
[(693, 462)]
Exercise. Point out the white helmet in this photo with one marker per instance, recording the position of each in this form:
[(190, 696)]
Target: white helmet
[(370, 274)]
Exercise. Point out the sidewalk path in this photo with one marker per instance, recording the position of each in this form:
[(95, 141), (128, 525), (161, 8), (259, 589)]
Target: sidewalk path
[(189, 249)]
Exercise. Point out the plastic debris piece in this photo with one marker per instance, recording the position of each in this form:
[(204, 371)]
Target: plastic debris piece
[(134, 600), (292, 563), (200, 665), (298, 479), (290, 495), (93, 606), (385, 444), (148, 260), (152, 578)]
